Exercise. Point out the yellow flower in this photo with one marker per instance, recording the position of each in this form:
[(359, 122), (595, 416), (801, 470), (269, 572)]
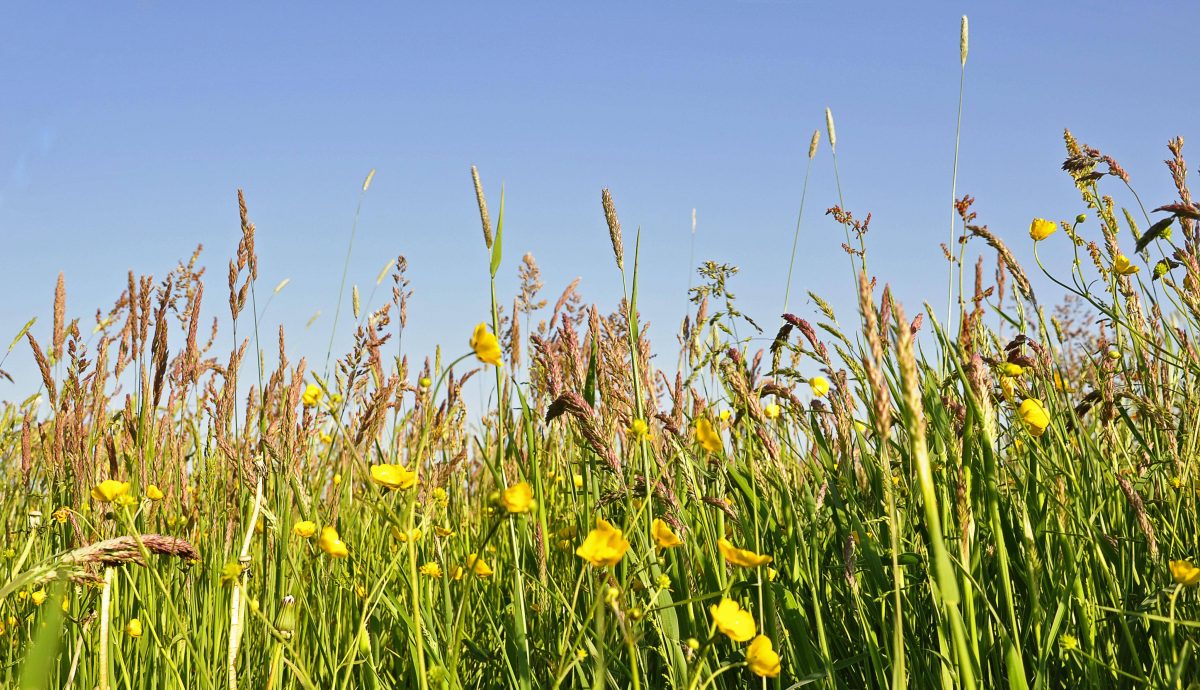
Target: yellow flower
[(443, 531), (819, 385), (772, 411), (1011, 369), (577, 480), (312, 395), (431, 569), (337, 479), (1008, 387), (733, 621), (133, 628), (304, 529), (413, 534), (62, 515), (518, 498), (332, 544), (154, 493), (708, 436), (1041, 228), (1034, 416), (110, 490), (605, 545), (1123, 266), (762, 658), (485, 345), (640, 429), (326, 438), (425, 382), (480, 566), (1184, 573), (393, 476), (663, 536), (440, 497), (741, 557), (725, 415), (456, 572), (230, 572), (39, 597)]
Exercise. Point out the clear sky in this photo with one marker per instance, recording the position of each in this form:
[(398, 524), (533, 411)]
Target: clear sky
[(127, 128)]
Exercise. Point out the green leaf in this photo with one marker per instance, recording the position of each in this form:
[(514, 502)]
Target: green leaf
[(1153, 232), (21, 333), (497, 246)]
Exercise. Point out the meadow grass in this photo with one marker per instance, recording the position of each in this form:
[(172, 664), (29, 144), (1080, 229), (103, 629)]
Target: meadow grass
[(870, 501)]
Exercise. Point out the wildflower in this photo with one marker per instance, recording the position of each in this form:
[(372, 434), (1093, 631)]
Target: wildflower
[(772, 411), (154, 493), (577, 480), (326, 438), (413, 534), (640, 429), (611, 595), (693, 644), (456, 573), (480, 566), (440, 498), (518, 498), (431, 569), (393, 476), (1184, 573), (663, 536), (1123, 266), (38, 597), (708, 436), (1012, 369), (1034, 416), (110, 490), (772, 574), (1068, 642), (1041, 228), (230, 572), (663, 581), (1008, 387), (731, 620), (725, 415), (443, 532), (332, 544), (133, 628), (485, 345), (425, 382), (605, 545), (762, 658), (337, 479), (741, 557), (819, 385), (61, 515), (312, 395), (304, 529)]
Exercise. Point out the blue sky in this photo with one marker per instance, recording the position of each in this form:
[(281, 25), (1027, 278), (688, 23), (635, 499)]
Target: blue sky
[(129, 126)]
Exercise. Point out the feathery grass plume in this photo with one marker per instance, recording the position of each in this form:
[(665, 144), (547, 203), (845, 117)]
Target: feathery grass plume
[(1006, 256), (830, 129), (962, 42), (60, 317), (44, 367), (354, 301), (812, 145), (483, 212), (881, 399), (614, 227)]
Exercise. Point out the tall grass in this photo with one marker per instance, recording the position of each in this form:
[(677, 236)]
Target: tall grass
[(904, 517)]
